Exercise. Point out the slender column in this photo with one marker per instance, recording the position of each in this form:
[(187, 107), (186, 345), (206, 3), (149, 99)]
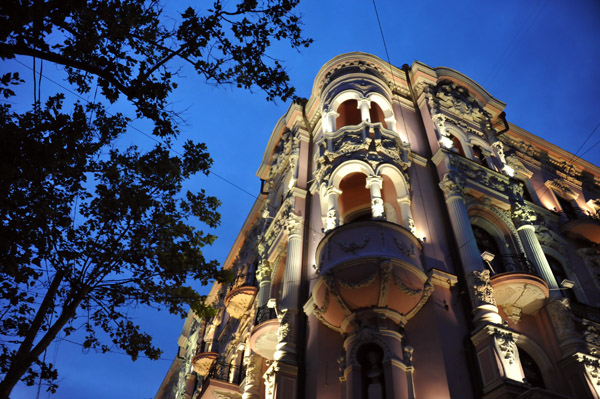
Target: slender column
[(374, 184), (469, 253), (406, 214), (364, 104), (480, 290), (263, 275), (292, 274), (524, 217), (333, 219), (286, 342), (329, 118)]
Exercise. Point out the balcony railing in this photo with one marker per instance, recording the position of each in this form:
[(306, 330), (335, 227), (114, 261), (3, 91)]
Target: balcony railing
[(264, 314), (518, 263), (228, 373)]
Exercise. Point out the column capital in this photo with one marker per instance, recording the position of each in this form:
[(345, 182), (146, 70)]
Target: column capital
[(293, 225), (263, 272), (452, 186), (332, 190), (364, 100), (523, 214), (378, 180)]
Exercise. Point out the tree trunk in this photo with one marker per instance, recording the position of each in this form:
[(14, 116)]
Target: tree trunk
[(26, 356)]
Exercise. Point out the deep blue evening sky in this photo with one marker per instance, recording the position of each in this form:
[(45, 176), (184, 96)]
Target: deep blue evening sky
[(540, 57)]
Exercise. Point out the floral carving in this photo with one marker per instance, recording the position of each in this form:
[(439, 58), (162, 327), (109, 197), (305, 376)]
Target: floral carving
[(406, 251), (352, 247), (505, 343), (523, 213), (479, 282), (452, 186)]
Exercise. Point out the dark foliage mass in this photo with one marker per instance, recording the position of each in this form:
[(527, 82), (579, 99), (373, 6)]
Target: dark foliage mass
[(88, 228)]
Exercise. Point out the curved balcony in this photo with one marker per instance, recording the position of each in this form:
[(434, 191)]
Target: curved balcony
[(241, 296), (203, 362), (263, 337), (519, 293), (369, 265)]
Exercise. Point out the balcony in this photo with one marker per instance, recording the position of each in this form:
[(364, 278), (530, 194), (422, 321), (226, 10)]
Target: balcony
[(263, 337), (581, 225), (223, 380), (241, 295), (203, 362), (368, 265), (519, 293)]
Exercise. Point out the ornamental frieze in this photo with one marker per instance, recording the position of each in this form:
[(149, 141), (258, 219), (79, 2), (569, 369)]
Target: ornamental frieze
[(479, 173), (367, 142), (457, 100)]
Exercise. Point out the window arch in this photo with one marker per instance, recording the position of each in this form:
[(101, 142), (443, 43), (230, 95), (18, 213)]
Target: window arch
[(531, 370)]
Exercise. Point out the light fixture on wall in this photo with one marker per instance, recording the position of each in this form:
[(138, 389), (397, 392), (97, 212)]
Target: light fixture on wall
[(488, 257)]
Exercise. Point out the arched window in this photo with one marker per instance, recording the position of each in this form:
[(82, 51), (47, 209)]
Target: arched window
[(457, 146), (355, 200), (486, 242), (370, 358), (532, 372), (376, 114), (349, 114)]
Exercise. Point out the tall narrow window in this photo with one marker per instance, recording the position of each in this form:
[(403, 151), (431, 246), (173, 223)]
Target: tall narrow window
[(478, 156), (559, 274), (567, 207), (486, 242), (457, 146)]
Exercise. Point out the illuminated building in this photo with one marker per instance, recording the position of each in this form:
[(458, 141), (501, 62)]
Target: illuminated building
[(408, 242)]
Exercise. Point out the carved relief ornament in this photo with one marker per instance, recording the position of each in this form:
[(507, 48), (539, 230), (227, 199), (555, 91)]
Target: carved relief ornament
[(452, 186), (482, 291)]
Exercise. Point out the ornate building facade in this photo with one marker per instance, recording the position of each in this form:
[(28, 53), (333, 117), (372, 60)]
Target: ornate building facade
[(408, 242)]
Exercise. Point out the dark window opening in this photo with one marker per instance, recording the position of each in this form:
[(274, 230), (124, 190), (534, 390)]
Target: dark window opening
[(559, 274), (533, 374), (479, 157), (567, 208), (486, 242), (526, 194)]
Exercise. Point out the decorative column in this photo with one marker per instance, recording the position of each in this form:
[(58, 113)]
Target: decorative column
[(484, 305), (333, 219), (263, 275), (252, 381), (364, 104), (524, 216), (375, 184), (286, 346), (406, 213), (329, 118)]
